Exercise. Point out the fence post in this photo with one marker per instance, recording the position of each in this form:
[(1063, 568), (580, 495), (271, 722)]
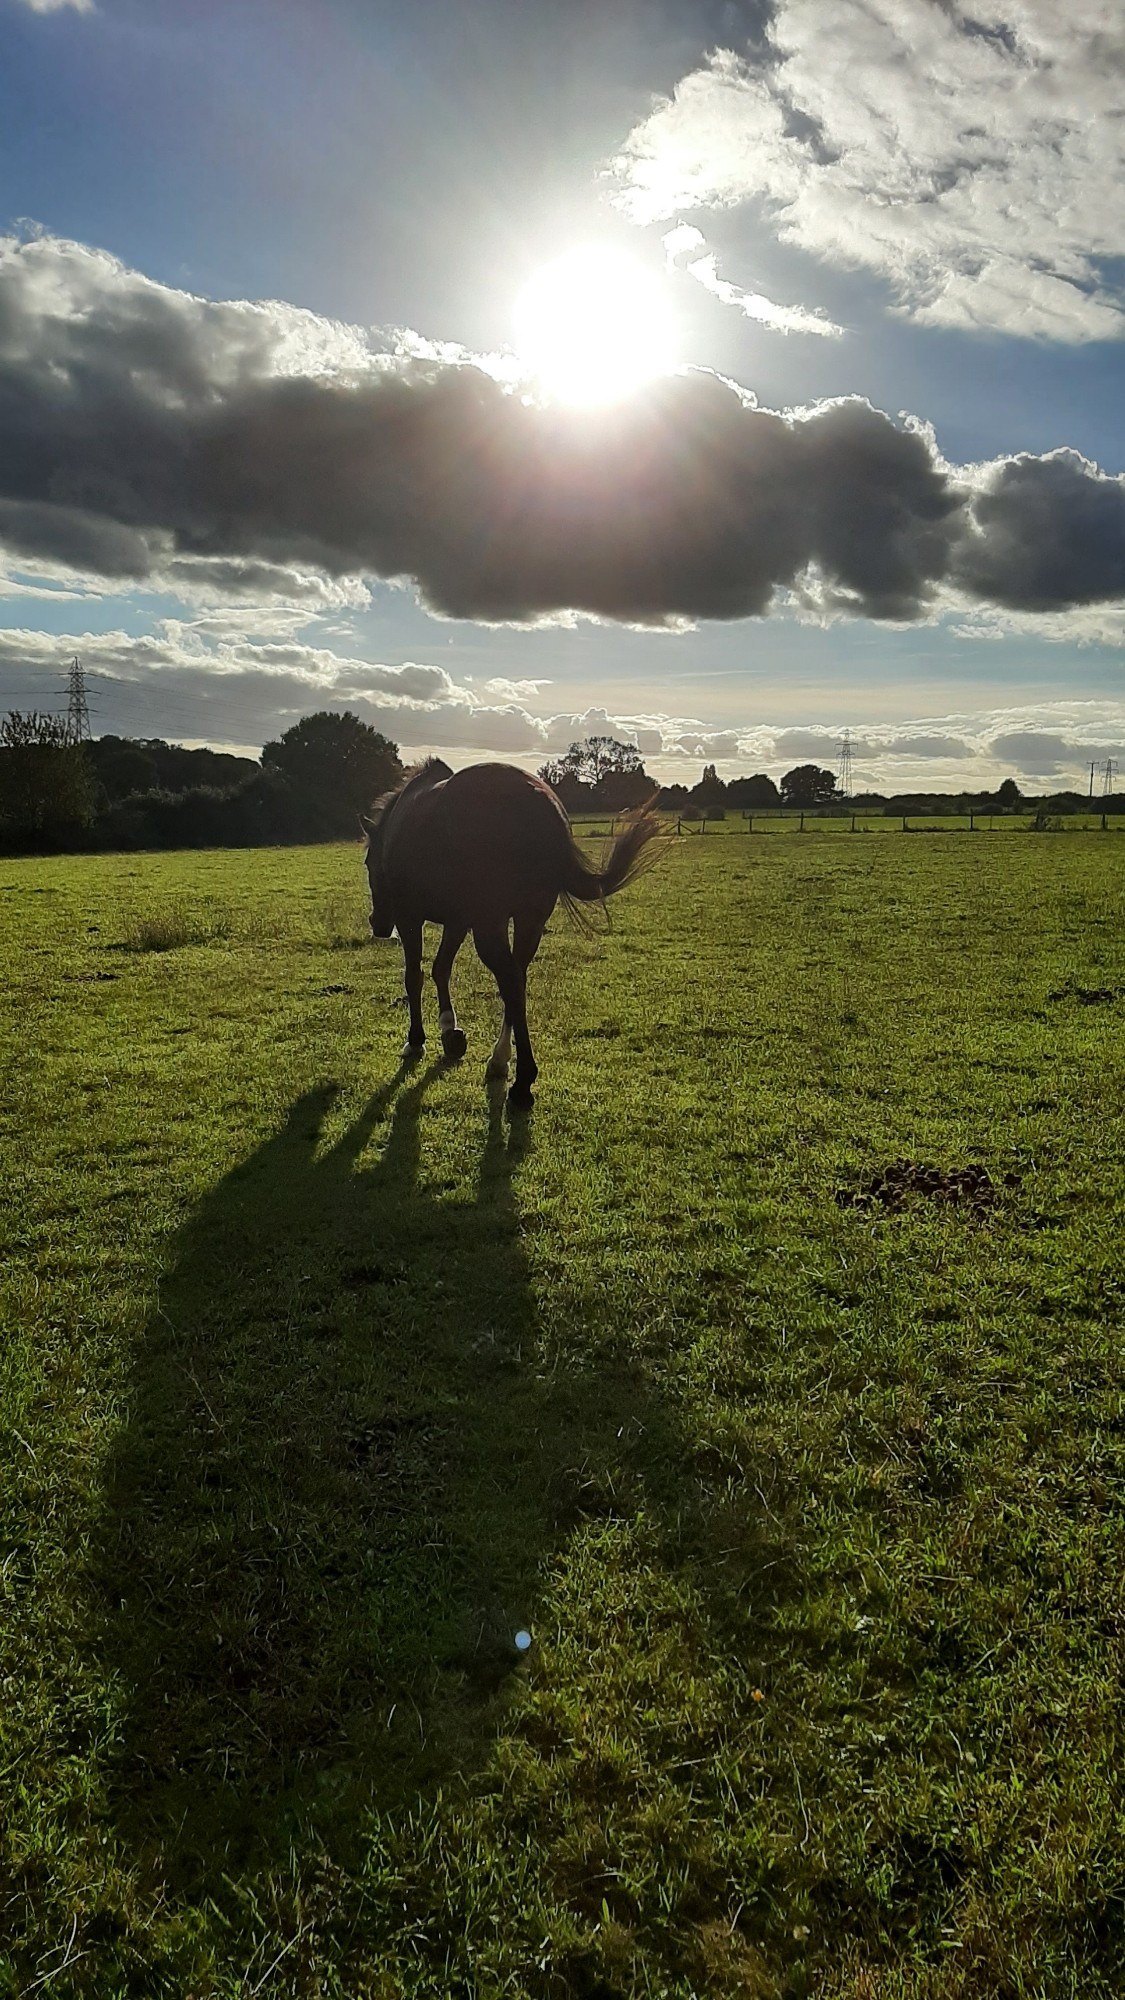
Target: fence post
[(905, 828), (972, 823), (801, 828), (853, 822)]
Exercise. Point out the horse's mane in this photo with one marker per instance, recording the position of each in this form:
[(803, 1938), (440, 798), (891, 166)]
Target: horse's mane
[(432, 771)]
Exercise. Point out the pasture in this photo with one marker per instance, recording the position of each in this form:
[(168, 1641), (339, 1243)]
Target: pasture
[(770, 1375)]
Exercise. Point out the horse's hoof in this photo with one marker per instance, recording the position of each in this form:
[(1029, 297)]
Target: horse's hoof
[(454, 1042), (413, 1051), (520, 1098)]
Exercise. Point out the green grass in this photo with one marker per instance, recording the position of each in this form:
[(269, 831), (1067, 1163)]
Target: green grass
[(320, 1379)]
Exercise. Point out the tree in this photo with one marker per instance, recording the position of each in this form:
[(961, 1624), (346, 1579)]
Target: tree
[(595, 758), (147, 764), (710, 793), (47, 788), (599, 771), (124, 768), (746, 793), (808, 785), (1009, 796), (339, 763)]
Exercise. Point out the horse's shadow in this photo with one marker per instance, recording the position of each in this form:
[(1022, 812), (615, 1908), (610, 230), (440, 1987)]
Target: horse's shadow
[(344, 1465)]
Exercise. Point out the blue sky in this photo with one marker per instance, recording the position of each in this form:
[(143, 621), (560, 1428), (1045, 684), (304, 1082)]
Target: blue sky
[(268, 440)]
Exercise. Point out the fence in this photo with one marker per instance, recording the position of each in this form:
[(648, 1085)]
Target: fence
[(835, 824)]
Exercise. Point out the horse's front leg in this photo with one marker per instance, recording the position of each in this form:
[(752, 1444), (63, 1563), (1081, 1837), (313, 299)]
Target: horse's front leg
[(452, 1037), (410, 937)]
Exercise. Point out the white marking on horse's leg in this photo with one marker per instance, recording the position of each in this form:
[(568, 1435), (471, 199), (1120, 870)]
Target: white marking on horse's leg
[(447, 1019), (411, 1051), (502, 1053)]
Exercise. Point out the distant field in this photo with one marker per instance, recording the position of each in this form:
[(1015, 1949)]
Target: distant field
[(772, 1376)]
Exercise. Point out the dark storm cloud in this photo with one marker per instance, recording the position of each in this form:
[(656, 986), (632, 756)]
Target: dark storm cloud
[(73, 537), (141, 429), (1046, 533)]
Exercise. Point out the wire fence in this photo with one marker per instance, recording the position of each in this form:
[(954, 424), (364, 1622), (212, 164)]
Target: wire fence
[(734, 824)]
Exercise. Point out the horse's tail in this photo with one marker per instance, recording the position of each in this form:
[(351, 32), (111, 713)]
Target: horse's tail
[(631, 853)]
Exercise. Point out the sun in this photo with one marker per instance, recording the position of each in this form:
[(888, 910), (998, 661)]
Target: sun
[(593, 326)]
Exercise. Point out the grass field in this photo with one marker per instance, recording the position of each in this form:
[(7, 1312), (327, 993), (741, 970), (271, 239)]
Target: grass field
[(771, 1375)]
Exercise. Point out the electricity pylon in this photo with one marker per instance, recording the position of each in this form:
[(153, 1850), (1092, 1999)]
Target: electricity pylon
[(77, 707)]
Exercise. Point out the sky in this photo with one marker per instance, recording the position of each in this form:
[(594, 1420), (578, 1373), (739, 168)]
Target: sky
[(720, 376)]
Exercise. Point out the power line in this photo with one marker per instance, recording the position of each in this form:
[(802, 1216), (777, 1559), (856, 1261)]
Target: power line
[(844, 781)]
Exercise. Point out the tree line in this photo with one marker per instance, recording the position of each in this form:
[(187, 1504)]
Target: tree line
[(313, 782), (601, 775), (119, 792)]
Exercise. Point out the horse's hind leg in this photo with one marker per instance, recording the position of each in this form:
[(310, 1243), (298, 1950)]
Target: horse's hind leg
[(501, 1055), (509, 968), (410, 936), (452, 1038)]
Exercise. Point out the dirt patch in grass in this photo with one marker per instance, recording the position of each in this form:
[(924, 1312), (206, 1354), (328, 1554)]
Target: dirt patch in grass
[(970, 1187), (1087, 996)]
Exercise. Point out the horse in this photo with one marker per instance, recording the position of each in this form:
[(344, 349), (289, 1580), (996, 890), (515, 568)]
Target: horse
[(487, 849)]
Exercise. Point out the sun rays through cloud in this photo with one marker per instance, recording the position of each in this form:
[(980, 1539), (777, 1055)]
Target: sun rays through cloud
[(593, 326)]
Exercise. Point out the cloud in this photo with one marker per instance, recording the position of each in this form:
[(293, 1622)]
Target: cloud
[(182, 681), (231, 449), (240, 582), (825, 743), (711, 745), (1044, 533), (782, 319), (245, 691), (56, 6), (920, 745), (970, 156), (204, 688), (1041, 755), (808, 743), (515, 690)]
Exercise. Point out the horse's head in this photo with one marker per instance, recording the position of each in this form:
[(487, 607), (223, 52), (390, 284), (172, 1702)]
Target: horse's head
[(382, 915)]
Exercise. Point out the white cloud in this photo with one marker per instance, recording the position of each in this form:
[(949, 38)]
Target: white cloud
[(56, 6), (1083, 625), (972, 157), (236, 583), (514, 690), (782, 319), (181, 682)]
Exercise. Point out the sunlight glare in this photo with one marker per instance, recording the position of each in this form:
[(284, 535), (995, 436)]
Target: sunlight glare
[(594, 326)]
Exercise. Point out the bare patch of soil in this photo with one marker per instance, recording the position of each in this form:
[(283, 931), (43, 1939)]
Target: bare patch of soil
[(971, 1187)]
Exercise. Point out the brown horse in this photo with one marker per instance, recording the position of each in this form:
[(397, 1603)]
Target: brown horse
[(481, 850)]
